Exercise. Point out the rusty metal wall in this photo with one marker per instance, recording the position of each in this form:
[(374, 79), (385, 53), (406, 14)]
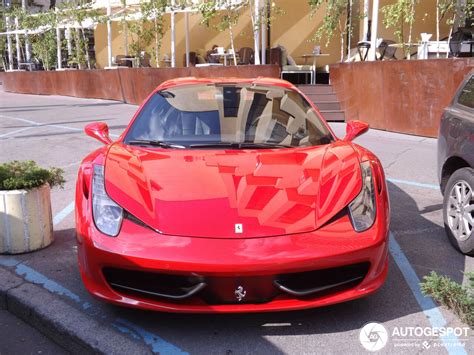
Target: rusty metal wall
[(127, 85), (400, 95)]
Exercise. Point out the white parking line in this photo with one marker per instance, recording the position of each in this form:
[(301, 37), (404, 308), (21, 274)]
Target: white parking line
[(35, 124), (63, 213), (16, 131), (451, 342)]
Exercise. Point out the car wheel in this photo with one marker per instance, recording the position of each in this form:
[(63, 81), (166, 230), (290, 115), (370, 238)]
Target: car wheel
[(458, 210)]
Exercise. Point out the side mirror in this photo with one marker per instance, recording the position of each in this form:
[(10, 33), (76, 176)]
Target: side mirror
[(354, 129), (99, 131)]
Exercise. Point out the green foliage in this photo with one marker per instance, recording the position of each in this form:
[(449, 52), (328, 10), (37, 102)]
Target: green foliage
[(43, 41), (42, 27), (77, 12), (222, 15), (335, 18), (451, 294), (141, 36), (17, 175), (398, 14), (153, 11), (445, 7)]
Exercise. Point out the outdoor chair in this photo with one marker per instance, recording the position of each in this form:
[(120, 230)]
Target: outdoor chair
[(456, 42), (145, 60), (192, 59), (246, 56), (121, 62), (387, 52), (274, 56)]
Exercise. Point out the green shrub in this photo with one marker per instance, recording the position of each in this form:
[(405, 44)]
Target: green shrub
[(451, 294), (17, 175)]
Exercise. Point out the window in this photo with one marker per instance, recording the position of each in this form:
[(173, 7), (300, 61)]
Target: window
[(466, 98), (237, 114)]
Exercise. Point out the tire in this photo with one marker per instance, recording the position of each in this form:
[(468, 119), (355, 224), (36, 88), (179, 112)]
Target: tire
[(457, 223)]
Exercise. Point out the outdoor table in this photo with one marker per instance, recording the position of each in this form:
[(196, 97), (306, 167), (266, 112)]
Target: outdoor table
[(167, 62), (225, 55), (403, 45), (470, 43), (314, 56), (135, 61), (27, 65)]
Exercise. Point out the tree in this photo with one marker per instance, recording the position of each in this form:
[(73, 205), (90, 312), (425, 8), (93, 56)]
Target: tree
[(396, 16), (42, 37), (76, 13), (153, 11), (336, 17), (227, 14), (443, 8)]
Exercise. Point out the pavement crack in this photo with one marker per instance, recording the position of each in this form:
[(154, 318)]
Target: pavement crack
[(397, 156)]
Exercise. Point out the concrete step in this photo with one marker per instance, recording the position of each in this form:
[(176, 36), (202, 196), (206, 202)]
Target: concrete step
[(322, 97), (333, 115), (316, 89), (328, 105)]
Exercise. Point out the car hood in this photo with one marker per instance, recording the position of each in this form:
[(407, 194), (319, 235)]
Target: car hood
[(233, 193)]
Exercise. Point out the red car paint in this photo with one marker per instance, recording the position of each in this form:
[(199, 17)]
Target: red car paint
[(287, 200)]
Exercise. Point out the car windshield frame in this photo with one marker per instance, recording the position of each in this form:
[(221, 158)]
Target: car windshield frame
[(228, 116)]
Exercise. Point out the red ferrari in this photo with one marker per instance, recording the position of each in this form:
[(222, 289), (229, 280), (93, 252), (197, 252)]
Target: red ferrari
[(230, 195)]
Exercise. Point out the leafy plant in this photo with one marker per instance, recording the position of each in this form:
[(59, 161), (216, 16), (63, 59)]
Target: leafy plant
[(451, 294), (42, 36), (336, 18), (223, 14), (443, 8), (153, 11), (398, 14), (17, 175), (77, 12)]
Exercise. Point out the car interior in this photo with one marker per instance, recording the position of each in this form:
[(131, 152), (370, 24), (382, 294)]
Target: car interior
[(230, 113)]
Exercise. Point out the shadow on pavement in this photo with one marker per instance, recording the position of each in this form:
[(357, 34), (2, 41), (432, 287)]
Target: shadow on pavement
[(420, 232)]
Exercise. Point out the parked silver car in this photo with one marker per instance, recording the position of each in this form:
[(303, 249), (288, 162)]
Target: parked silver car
[(456, 166)]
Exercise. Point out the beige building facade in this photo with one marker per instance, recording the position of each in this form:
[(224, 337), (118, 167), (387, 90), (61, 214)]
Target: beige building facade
[(293, 27)]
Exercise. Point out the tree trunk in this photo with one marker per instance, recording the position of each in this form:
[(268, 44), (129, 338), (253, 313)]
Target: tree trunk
[(450, 33), (86, 48), (157, 42), (78, 49), (231, 32), (410, 29), (437, 28)]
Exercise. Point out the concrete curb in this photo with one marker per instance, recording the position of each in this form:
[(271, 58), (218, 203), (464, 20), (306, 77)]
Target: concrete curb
[(59, 321)]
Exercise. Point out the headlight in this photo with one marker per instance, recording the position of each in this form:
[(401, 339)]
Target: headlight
[(107, 214), (362, 208)]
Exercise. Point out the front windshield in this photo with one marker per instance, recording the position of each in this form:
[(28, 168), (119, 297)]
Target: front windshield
[(200, 115)]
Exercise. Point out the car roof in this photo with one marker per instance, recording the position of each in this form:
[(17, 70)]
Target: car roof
[(255, 81)]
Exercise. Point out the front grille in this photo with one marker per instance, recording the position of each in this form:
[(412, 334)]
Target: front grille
[(216, 290), (153, 285), (309, 284)]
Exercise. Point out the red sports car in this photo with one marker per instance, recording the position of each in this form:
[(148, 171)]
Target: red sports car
[(230, 195)]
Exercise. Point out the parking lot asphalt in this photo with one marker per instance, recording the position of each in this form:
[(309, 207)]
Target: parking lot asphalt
[(49, 129)]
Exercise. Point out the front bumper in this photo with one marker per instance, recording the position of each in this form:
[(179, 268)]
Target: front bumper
[(226, 264)]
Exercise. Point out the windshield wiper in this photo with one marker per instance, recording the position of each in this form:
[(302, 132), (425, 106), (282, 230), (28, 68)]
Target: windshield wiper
[(243, 145), (154, 143)]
